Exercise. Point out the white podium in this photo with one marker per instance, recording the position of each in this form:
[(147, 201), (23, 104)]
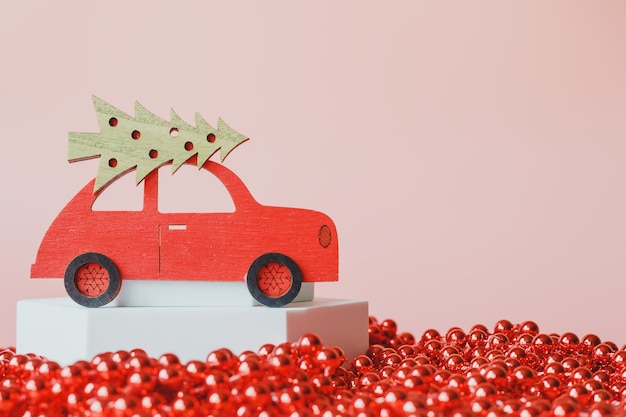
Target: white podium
[(65, 332)]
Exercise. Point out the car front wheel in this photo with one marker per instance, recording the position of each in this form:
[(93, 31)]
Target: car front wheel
[(274, 279), (92, 280)]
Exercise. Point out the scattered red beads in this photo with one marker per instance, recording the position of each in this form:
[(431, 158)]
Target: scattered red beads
[(513, 370)]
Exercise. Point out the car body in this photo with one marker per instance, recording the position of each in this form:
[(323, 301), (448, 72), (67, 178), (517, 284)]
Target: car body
[(151, 245)]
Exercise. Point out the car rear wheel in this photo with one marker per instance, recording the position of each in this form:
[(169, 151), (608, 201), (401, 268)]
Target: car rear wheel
[(92, 280), (274, 279)]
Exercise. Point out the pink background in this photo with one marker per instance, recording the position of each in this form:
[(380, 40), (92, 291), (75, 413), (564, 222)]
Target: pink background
[(473, 156)]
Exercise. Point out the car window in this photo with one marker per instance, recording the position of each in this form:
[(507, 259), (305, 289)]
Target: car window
[(121, 195), (192, 190)]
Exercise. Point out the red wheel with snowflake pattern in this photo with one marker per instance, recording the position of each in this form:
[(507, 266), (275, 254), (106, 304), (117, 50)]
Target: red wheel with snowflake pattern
[(92, 280), (274, 279)]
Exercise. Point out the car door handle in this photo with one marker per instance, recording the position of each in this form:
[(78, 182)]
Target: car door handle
[(177, 227)]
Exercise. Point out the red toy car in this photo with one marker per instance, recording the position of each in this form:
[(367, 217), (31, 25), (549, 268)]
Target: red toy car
[(274, 249)]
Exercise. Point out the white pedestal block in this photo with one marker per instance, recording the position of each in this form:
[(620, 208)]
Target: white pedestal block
[(141, 293), (65, 332)]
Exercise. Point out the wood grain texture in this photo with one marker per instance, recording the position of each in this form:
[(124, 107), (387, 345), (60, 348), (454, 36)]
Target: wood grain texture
[(146, 142)]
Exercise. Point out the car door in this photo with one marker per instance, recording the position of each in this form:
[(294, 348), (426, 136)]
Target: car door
[(196, 229)]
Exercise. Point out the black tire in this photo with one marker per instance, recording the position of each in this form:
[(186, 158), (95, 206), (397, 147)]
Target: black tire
[(285, 295), (80, 293)]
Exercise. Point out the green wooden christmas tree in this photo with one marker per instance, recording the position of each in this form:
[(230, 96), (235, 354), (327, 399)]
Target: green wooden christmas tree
[(146, 142)]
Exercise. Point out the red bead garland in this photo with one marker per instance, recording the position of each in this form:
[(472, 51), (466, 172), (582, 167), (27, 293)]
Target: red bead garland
[(514, 370)]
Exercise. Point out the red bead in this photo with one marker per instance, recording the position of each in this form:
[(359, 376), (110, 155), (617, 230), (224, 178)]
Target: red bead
[(393, 395), (35, 388), (456, 336), (386, 372), (432, 348), (477, 362), (589, 341), (454, 362), (568, 342), (120, 357), (602, 353), (170, 377), (406, 338), (601, 409), (476, 337), (441, 376), (542, 342), (138, 352), (530, 410), (511, 406), (265, 350), (363, 364), (601, 395), (125, 405), (375, 335), (529, 327), (328, 358), (430, 334), (279, 364), (195, 371), (565, 406), (581, 374), (49, 369), (497, 376), (368, 379), (480, 406), (389, 328), (481, 327), (218, 399), (139, 362), (251, 366), (512, 363), (486, 390), (309, 344), (374, 351), (503, 326), (391, 360), (415, 383), (448, 399), (619, 359), (286, 349), (406, 351), (141, 381), (523, 377), (580, 393), (569, 364), (474, 381), (549, 387), (184, 404), (222, 359), (101, 357), (556, 369), (258, 393), (497, 341)]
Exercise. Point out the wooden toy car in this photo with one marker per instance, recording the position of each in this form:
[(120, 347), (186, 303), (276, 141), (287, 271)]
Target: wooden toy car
[(274, 249)]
